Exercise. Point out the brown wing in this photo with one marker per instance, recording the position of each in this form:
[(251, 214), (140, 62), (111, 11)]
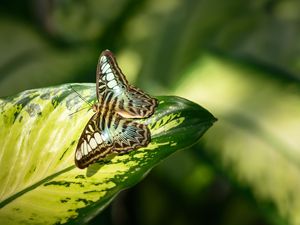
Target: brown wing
[(104, 135), (111, 82), (110, 130), (93, 144)]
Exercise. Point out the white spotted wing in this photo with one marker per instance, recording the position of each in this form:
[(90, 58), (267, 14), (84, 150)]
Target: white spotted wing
[(112, 129)]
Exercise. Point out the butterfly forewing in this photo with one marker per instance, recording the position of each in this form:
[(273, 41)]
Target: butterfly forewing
[(132, 102), (111, 129), (122, 136), (109, 78), (93, 143)]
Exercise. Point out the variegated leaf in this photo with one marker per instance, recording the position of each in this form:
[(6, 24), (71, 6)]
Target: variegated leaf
[(39, 132)]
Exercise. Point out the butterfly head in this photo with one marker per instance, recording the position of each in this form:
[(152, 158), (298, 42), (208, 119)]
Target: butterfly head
[(96, 107)]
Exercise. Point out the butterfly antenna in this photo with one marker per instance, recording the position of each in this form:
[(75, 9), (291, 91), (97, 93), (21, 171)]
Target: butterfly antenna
[(80, 96), (78, 110)]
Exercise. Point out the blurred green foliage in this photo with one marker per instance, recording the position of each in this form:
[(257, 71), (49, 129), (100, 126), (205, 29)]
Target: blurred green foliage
[(240, 59)]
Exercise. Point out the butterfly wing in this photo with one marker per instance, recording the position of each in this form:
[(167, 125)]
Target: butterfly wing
[(93, 143), (130, 135), (110, 130), (111, 83), (104, 135)]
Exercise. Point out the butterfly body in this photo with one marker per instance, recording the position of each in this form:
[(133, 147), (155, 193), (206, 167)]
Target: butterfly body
[(112, 128)]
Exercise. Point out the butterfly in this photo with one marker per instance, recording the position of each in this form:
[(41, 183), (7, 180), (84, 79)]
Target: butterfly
[(112, 128)]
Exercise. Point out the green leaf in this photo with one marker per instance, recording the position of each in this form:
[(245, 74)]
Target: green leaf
[(39, 133), (256, 140), (28, 56), (83, 21)]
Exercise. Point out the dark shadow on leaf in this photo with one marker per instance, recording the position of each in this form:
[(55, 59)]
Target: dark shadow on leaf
[(95, 167)]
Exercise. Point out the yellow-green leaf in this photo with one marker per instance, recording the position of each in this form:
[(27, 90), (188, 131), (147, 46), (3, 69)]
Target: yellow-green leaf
[(39, 133)]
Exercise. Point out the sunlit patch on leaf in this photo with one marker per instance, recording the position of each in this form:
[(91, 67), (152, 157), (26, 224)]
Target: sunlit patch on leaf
[(166, 123)]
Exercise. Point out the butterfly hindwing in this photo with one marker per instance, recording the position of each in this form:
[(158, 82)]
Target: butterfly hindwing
[(130, 135), (136, 104)]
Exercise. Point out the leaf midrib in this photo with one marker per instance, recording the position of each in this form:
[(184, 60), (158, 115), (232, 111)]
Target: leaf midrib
[(33, 186)]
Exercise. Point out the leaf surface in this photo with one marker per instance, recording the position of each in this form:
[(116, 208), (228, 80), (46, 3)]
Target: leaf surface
[(39, 133)]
